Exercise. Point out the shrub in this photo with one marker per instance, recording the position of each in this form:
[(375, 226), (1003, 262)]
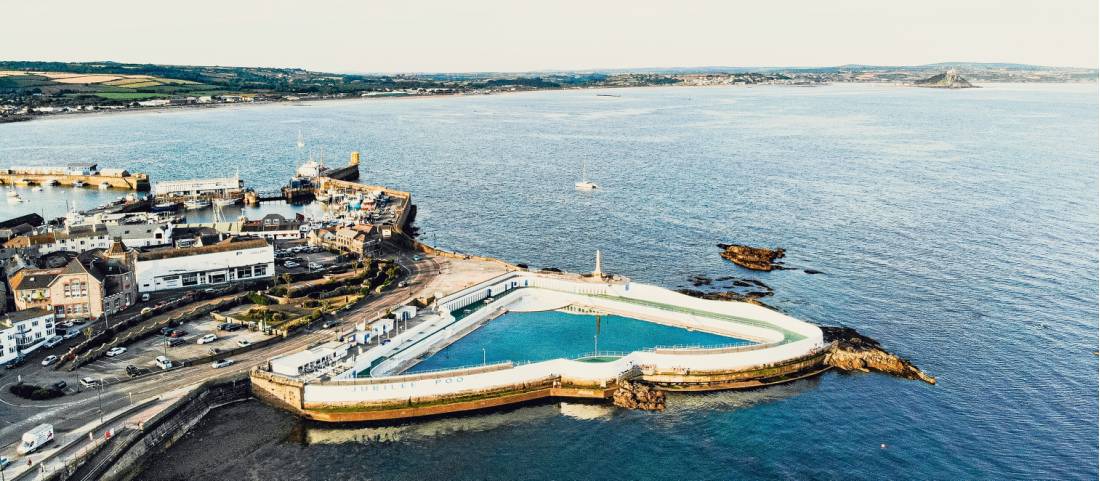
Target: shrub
[(35, 393)]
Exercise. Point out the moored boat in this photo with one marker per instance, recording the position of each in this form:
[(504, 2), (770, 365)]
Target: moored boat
[(79, 183), (195, 204), (226, 202), (166, 207)]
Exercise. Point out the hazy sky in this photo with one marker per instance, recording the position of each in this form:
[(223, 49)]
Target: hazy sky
[(517, 35)]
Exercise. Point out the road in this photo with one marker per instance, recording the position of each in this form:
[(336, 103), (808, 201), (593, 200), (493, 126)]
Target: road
[(77, 410)]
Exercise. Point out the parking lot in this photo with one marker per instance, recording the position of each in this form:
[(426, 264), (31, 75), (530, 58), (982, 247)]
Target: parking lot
[(297, 259), (142, 354)]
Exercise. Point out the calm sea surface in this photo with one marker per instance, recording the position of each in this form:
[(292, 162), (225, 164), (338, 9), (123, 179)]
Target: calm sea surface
[(957, 227)]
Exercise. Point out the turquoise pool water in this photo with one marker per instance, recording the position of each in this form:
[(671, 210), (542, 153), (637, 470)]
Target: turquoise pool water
[(538, 336)]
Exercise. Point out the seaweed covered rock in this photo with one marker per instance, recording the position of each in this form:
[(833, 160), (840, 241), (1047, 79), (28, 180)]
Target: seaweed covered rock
[(755, 258)]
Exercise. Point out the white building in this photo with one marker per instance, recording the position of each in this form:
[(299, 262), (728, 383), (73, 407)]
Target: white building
[(217, 187), (22, 330), (87, 237), (365, 333), (310, 360), (229, 260)]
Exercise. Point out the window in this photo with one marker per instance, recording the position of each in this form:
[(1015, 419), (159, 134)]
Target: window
[(260, 270), (190, 279), (244, 272)]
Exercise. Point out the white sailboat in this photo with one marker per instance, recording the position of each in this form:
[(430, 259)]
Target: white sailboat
[(584, 184)]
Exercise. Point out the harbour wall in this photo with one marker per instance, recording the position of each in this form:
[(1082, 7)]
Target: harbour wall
[(137, 182)]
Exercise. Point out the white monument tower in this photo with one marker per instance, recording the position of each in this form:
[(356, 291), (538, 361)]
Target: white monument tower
[(598, 272)]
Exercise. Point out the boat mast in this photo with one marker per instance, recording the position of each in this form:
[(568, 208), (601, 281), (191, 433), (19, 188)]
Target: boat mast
[(301, 145)]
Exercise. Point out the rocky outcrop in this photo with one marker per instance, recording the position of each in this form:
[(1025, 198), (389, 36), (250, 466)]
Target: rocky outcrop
[(947, 80), (852, 351), (636, 395), (752, 297), (755, 258)]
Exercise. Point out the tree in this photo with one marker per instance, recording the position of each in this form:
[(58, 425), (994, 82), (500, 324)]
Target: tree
[(88, 331)]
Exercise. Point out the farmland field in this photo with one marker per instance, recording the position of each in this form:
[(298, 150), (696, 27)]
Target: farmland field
[(129, 95)]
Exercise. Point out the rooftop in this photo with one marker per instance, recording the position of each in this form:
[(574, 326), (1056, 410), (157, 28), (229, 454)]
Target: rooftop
[(227, 245)]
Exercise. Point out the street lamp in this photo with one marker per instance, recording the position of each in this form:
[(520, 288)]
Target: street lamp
[(484, 357)]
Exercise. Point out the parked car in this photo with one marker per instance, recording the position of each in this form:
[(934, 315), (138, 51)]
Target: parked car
[(417, 258), (164, 331), (244, 343), (290, 264), (60, 385), (4, 462), (207, 339), (114, 351), (221, 363), (49, 360), (12, 364), (71, 333), (134, 371), (145, 297), (163, 363), (316, 265), (177, 333), (90, 382), (53, 341), (234, 327), (173, 341)]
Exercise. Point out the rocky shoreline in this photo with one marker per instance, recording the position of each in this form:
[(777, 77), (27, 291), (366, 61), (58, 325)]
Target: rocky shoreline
[(852, 351), (640, 396)]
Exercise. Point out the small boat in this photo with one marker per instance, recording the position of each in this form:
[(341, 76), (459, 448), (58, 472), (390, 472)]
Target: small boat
[(37, 189), (584, 184), (23, 182), (166, 207), (104, 185), (52, 181), (13, 197), (195, 204), (79, 183), (226, 202)]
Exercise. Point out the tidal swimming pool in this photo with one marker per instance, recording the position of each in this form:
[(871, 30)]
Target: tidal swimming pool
[(539, 336)]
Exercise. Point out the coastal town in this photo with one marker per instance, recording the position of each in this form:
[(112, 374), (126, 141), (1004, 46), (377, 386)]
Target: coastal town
[(124, 302)]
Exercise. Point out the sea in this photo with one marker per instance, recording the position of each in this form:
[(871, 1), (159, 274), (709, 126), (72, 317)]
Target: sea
[(957, 227)]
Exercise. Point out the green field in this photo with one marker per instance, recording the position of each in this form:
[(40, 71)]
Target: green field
[(129, 95)]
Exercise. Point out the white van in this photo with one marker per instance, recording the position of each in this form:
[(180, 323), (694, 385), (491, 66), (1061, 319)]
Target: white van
[(164, 363), (35, 438)]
